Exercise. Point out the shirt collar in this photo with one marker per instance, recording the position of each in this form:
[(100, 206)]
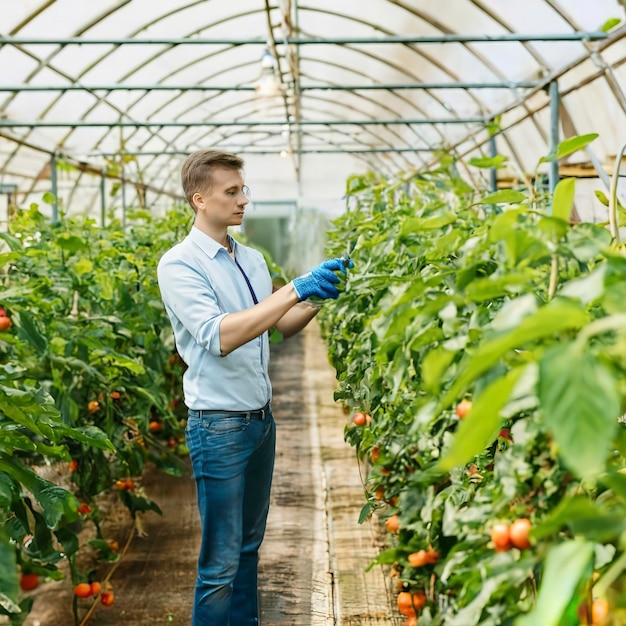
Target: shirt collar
[(208, 244)]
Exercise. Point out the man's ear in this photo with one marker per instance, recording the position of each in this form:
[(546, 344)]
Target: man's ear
[(197, 201)]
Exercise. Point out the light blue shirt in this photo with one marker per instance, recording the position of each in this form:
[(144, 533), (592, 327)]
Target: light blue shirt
[(200, 285)]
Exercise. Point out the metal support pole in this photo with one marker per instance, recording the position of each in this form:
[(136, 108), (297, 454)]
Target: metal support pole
[(103, 201), (54, 188), (217, 124), (301, 41), (554, 138), (244, 149), (123, 190), (313, 87), (493, 172)]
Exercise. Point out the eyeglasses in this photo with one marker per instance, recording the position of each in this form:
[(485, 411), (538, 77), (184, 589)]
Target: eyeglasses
[(246, 191)]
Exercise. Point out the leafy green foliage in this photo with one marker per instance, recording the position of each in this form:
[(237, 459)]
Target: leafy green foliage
[(87, 363), (497, 302)]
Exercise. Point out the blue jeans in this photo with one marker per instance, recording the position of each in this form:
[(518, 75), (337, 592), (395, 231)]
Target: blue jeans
[(232, 457)]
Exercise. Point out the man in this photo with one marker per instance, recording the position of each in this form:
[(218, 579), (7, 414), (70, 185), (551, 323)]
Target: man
[(218, 296)]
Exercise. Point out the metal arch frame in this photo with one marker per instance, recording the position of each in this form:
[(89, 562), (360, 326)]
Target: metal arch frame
[(506, 37), (205, 78), (100, 99), (221, 123), (522, 84), (428, 57), (452, 38), (616, 36), (382, 60), (301, 41), (184, 111), (243, 103), (43, 63), (445, 38), (442, 86)]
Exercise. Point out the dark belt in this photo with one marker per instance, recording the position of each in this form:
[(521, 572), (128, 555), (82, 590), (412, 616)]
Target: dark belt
[(259, 414)]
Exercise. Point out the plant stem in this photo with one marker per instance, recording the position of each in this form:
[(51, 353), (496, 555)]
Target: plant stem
[(554, 277)]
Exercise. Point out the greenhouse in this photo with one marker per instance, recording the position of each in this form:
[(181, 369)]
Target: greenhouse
[(416, 209)]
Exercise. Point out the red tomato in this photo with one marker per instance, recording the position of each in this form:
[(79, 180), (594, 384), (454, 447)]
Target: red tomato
[(463, 408), (505, 433), (519, 533), (418, 559), (374, 453), (359, 418), (501, 537), (107, 598), (96, 588), (392, 524), (28, 582), (5, 323), (82, 590), (599, 611)]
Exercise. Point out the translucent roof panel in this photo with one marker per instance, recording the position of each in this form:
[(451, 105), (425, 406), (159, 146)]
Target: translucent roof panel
[(309, 92)]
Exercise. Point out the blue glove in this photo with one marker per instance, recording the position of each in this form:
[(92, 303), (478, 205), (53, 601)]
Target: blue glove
[(321, 280)]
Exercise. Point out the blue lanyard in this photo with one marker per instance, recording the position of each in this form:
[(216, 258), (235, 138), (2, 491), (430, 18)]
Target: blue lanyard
[(254, 298)]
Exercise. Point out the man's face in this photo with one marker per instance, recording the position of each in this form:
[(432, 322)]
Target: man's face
[(224, 203)]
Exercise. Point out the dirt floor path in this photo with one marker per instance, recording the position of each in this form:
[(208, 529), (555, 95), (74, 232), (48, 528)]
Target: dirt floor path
[(314, 555)]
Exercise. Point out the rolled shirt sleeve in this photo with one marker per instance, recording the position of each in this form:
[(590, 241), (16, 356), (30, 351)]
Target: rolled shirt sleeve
[(191, 303)]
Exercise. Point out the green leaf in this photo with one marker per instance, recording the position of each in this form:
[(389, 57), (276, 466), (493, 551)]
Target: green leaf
[(91, 435), (120, 360), (602, 197), (9, 257), (588, 241), (610, 24), (583, 518), (586, 288), (432, 222), (83, 266), (366, 511), (569, 146), (56, 502), (68, 539), (48, 198), (28, 330), (563, 199), (9, 581), (494, 287), (104, 551), (138, 503), (503, 196), (14, 243), (481, 425), (433, 366), (386, 557), (71, 243), (497, 161), (494, 126), (565, 566), (555, 317), (581, 403)]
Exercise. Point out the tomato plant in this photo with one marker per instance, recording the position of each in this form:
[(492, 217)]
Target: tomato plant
[(497, 300), (83, 371), (89, 380)]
